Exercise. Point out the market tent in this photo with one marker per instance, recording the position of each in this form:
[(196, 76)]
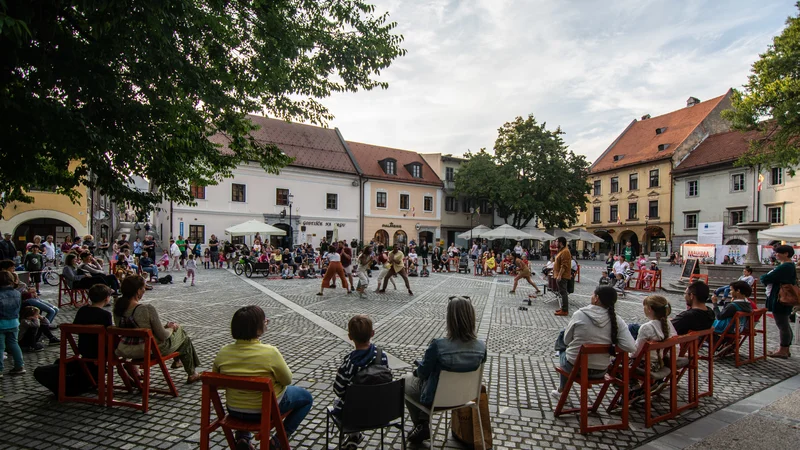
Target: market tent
[(584, 235), (252, 227), (538, 234), (506, 232), (561, 233), (789, 233), (475, 232)]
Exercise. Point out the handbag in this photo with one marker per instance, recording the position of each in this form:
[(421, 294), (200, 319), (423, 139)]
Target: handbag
[(467, 429), (789, 295)]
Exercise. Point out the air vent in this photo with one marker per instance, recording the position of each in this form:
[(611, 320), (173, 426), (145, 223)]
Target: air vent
[(618, 157), (662, 147), (661, 130)]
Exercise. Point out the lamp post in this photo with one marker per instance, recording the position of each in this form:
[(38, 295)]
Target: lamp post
[(291, 226)]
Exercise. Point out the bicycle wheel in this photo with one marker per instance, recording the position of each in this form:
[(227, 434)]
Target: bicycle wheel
[(248, 270), (50, 278), (238, 269)]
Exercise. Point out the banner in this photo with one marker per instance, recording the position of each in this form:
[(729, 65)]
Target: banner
[(767, 253), (703, 252), (709, 233), (736, 253)]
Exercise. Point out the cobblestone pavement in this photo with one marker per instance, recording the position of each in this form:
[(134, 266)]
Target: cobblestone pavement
[(309, 331)]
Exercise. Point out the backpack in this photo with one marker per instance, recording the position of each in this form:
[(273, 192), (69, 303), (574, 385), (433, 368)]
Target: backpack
[(165, 280), (375, 373)]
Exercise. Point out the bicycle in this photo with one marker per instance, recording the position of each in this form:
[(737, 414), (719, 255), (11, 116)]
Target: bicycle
[(49, 274)]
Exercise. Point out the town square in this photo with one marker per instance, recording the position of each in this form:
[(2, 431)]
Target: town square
[(366, 224)]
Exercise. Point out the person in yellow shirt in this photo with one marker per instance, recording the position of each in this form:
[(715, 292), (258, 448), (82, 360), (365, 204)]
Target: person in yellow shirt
[(489, 265), (248, 357)]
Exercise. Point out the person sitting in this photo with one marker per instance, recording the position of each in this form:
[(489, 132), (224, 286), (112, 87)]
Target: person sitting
[(263, 258), (130, 313), (596, 323), (28, 295), (548, 268), (727, 260), (489, 265), (303, 271), (131, 261), (424, 272), (147, 265), (724, 291), (604, 280), (93, 314), (248, 357), (287, 274), (740, 292), (359, 330), (658, 329), (78, 278), (32, 327), (460, 351)]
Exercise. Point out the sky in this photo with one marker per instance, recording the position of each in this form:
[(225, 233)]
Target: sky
[(589, 67)]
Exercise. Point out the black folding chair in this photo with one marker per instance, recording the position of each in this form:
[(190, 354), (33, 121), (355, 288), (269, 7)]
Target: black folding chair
[(370, 407)]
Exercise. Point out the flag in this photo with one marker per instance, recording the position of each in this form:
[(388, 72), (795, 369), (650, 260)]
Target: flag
[(760, 181)]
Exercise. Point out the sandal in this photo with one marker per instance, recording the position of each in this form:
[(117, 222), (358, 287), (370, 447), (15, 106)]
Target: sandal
[(193, 378), (177, 364)]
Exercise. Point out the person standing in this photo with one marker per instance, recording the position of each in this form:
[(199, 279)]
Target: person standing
[(213, 246), (785, 273), (347, 263), (10, 304), (334, 268), (523, 273), (34, 263), (627, 252), (182, 247), (49, 249), (397, 268), (364, 262), (174, 255), (562, 272), (7, 248), (423, 252)]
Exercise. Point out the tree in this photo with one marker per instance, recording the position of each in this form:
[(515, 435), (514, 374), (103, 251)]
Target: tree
[(770, 103), (137, 87), (531, 175)]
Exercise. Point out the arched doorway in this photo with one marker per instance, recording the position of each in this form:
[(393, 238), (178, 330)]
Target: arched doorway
[(608, 242), (281, 241), (426, 236), (655, 240), (381, 237), (400, 238), (736, 242), (629, 236), (25, 231)]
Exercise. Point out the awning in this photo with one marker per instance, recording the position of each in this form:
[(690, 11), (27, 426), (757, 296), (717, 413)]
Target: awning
[(252, 227), (475, 232), (506, 232)]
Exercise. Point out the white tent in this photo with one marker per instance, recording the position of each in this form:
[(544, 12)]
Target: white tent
[(557, 232), (789, 233), (584, 235), (475, 232), (252, 227), (506, 232), (538, 234)]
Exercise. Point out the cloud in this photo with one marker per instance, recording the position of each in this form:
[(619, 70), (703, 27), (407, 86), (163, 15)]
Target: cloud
[(589, 67)]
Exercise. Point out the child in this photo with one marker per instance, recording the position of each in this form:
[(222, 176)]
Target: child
[(163, 263), (274, 267), (263, 258), (424, 272), (724, 291), (221, 259), (658, 329), (34, 263), (32, 326), (303, 272), (248, 357), (286, 274), (191, 268), (93, 314), (10, 301), (740, 291), (360, 331)]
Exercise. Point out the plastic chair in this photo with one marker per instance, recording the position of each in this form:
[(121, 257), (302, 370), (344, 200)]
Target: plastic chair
[(580, 374), (270, 412), (369, 407), (129, 369), (72, 293), (68, 332), (454, 391)]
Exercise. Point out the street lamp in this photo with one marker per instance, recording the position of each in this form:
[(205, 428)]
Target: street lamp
[(291, 226)]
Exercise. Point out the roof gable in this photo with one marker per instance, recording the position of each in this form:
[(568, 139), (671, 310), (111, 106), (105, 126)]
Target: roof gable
[(369, 158), (718, 149)]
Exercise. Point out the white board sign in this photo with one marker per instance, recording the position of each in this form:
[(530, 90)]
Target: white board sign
[(709, 233)]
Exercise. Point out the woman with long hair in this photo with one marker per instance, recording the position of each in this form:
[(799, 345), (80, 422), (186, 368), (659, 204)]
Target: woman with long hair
[(460, 351), (78, 279), (130, 313), (785, 273), (396, 268)]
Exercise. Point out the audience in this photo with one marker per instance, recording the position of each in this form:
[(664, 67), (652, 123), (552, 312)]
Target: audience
[(32, 327), (93, 314), (747, 276), (697, 316), (740, 291), (248, 357)]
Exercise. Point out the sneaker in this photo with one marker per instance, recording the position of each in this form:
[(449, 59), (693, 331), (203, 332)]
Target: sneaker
[(555, 395), (421, 432), (562, 313), (38, 347), (352, 441), (17, 371), (244, 444), (184, 279), (55, 340)]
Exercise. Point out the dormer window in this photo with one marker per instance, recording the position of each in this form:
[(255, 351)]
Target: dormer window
[(662, 147), (415, 169), (389, 166), (618, 157), (661, 130)]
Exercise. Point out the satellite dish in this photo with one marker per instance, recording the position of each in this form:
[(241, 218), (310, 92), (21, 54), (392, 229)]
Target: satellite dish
[(99, 215)]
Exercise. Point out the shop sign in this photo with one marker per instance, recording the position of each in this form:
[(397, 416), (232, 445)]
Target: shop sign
[(391, 225)]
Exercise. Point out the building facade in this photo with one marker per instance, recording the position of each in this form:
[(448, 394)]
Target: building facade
[(632, 183), (402, 195)]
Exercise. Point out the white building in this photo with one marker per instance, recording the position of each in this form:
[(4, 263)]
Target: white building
[(319, 192)]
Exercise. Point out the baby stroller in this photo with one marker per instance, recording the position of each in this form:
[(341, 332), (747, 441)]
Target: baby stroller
[(463, 263)]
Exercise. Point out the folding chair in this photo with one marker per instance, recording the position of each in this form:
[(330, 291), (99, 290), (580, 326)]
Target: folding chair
[(129, 369), (698, 276), (72, 293), (702, 337), (580, 374), (686, 362), (737, 332), (68, 332), (369, 407), (270, 412), (454, 391)]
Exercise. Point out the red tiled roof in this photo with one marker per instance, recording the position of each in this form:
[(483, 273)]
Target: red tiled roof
[(312, 147), (717, 149), (367, 157), (639, 142)]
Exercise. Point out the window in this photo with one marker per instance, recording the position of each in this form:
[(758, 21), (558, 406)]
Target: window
[(614, 184), (776, 176), (405, 201), (486, 207), (197, 233), (450, 204), (466, 205), (391, 167), (332, 201), (653, 209), (238, 193), (633, 211), (198, 192), (691, 188), (380, 201), (775, 214), (597, 187), (427, 203), (614, 215), (654, 178), (449, 174), (690, 221), (633, 182), (282, 197), (416, 171), (737, 217), (737, 182), (596, 215)]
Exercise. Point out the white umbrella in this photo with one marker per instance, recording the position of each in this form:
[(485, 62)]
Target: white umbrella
[(584, 235), (561, 233), (789, 233), (538, 234), (506, 232), (252, 227), (475, 232)]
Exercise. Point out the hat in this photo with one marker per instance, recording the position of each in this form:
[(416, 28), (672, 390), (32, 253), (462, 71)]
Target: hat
[(29, 246)]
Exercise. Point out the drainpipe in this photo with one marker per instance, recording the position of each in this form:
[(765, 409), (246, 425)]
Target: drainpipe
[(171, 220), (757, 197)]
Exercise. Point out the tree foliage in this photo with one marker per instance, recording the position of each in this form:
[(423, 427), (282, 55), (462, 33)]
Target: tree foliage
[(531, 175), (770, 102), (137, 87)]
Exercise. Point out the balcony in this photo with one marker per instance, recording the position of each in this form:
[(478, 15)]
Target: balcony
[(449, 185)]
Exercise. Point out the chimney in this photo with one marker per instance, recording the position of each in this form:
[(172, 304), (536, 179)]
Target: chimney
[(692, 101), (646, 116)]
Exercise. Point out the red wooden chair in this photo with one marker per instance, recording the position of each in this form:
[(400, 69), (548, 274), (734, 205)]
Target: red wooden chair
[(580, 375), (702, 337), (737, 333), (68, 332), (71, 293), (270, 412), (698, 276), (129, 370), (687, 362), (754, 298)]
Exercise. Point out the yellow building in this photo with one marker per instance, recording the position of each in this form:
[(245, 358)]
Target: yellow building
[(631, 198)]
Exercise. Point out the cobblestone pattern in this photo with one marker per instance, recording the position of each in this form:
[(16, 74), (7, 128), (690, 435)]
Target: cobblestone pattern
[(519, 371)]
